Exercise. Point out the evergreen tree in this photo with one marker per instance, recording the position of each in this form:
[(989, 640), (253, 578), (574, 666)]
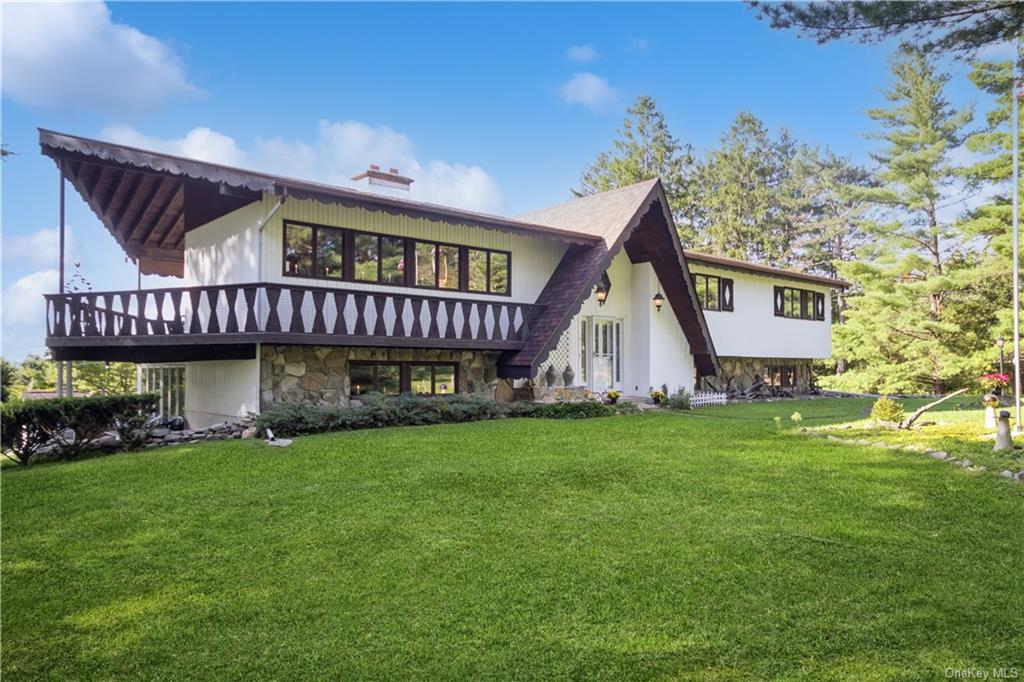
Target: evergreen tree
[(749, 199), (963, 26), (897, 327), (645, 149), (836, 221)]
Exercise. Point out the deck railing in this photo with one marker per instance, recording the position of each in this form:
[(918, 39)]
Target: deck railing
[(280, 313)]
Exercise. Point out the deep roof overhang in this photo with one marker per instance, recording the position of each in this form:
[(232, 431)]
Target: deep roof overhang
[(765, 270), (148, 200)]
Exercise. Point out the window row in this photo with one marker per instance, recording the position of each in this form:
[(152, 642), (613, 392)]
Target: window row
[(713, 292), (393, 378), (341, 254), (799, 303)]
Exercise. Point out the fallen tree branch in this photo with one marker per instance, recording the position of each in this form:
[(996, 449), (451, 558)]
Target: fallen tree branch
[(908, 422)]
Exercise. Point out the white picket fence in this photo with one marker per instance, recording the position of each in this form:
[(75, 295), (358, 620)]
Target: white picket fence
[(704, 398)]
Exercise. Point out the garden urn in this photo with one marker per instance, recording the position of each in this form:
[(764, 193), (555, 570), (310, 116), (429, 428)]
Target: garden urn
[(551, 376), (568, 376), (1004, 441), (991, 402)]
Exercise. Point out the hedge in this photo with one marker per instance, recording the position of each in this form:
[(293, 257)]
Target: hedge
[(71, 425), (295, 419)]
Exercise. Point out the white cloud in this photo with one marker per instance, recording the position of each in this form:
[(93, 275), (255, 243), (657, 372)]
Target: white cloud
[(338, 150), (199, 143), (23, 300), (40, 248), (638, 45), (588, 89), (581, 53), (73, 55)]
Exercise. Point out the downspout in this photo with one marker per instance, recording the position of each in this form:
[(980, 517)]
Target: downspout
[(259, 276), (259, 233)]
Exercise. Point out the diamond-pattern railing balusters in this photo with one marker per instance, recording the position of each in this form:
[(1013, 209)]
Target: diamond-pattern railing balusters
[(213, 323), (231, 325), (379, 302), (296, 326), (251, 323), (273, 319), (197, 311)]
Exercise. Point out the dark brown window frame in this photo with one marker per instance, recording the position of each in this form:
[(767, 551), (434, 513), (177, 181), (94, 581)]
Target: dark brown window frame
[(375, 365), (348, 259), (487, 274), (721, 308), (405, 373), (786, 374), (808, 301)]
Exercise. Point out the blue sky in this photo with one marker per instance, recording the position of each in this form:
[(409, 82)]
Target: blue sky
[(496, 107)]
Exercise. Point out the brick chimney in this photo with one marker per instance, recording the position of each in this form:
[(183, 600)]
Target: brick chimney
[(391, 179)]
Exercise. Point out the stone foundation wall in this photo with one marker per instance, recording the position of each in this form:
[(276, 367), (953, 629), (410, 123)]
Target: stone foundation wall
[(319, 374), (737, 373)]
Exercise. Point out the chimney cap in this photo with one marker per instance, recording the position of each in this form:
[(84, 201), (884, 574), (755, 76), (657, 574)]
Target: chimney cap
[(376, 177)]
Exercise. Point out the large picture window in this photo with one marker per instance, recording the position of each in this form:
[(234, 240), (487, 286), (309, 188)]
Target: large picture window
[(392, 378), (337, 253)]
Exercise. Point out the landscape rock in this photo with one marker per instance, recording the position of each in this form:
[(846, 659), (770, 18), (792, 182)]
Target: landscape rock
[(280, 442), (938, 454), (159, 432), (251, 432), (1006, 473)]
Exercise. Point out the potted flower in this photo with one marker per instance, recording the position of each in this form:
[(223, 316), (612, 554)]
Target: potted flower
[(658, 397), (994, 382), (612, 397)]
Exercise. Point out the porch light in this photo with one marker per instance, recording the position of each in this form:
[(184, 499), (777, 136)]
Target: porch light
[(601, 293), (659, 301)]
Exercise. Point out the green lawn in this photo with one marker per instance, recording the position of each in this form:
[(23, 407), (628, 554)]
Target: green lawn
[(956, 427), (704, 545)]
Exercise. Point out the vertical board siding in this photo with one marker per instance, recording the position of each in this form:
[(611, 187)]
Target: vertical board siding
[(216, 390)]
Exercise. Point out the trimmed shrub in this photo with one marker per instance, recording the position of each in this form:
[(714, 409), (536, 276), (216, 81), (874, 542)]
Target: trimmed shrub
[(586, 409), (295, 419), (21, 436), (680, 400), (886, 409), (69, 425)]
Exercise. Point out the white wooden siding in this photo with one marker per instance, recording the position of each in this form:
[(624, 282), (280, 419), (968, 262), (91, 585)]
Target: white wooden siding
[(219, 390), (752, 330)]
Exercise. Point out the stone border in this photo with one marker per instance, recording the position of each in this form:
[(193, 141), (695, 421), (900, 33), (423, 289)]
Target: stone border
[(940, 455)]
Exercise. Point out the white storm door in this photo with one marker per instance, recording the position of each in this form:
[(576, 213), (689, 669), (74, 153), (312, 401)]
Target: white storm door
[(606, 357)]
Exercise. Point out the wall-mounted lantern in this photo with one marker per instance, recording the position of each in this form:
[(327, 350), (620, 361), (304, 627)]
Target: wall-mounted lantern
[(602, 289), (659, 301)]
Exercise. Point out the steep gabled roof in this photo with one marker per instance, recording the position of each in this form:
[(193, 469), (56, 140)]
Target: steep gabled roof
[(635, 217)]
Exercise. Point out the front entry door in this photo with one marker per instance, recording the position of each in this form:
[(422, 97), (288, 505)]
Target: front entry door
[(606, 359)]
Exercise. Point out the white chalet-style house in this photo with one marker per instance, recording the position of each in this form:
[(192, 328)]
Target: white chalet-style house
[(297, 291)]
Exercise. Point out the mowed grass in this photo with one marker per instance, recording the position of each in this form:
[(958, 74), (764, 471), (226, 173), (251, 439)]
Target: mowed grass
[(707, 545)]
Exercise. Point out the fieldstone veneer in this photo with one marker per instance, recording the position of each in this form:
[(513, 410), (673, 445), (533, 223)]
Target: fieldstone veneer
[(738, 373), (319, 374)]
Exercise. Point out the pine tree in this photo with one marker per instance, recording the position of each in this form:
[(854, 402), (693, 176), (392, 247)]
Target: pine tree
[(749, 200), (645, 149), (896, 324), (836, 221)]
